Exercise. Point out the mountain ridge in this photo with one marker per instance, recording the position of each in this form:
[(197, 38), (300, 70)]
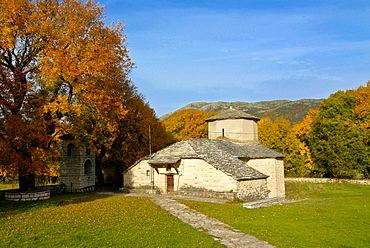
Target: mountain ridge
[(292, 110)]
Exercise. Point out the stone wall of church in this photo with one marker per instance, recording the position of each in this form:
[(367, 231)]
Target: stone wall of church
[(197, 173), (251, 190), (196, 178), (274, 168), (193, 173), (138, 177), (234, 129)]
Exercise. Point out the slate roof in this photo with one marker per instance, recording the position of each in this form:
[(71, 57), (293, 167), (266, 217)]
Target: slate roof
[(232, 114), (222, 154)]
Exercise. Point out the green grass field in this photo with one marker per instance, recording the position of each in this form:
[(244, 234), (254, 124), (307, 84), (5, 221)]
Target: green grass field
[(8, 186), (92, 220), (335, 215)]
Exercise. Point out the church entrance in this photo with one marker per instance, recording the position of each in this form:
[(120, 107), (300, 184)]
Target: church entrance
[(170, 184)]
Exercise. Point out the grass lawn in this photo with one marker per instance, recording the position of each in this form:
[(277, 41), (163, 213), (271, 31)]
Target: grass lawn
[(8, 186), (335, 215), (92, 220)]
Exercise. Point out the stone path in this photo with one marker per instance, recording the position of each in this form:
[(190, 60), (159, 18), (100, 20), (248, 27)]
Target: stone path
[(218, 230)]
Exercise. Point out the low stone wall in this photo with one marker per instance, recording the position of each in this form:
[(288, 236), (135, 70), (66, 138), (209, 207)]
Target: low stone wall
[(328, 180), (27, 196), (141, 191), (54, 190), (264, 203), (2, 193), (199, 192)]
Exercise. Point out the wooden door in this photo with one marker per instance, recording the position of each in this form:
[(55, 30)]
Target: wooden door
[(170, 184)]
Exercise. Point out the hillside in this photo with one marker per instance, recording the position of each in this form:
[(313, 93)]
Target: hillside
[(294, 111)]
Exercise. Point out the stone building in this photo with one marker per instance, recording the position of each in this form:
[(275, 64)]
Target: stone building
[(77, 165), (230, 164)]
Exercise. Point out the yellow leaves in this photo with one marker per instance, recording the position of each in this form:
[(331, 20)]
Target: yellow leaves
[(14, 16), (306, 153), (362, 109), (74, 40), (60, 104), (303, 128), (186, 124)]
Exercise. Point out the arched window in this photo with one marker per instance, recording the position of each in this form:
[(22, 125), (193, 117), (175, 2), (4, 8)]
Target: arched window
[(70, 149), (88, 167)]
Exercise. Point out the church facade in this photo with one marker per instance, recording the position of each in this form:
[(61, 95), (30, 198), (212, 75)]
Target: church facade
[(230, 164)]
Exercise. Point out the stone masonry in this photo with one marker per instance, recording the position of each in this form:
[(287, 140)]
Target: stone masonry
[(77, 165)]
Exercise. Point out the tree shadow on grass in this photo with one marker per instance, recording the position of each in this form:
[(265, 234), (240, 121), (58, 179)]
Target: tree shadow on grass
[(9, 208)]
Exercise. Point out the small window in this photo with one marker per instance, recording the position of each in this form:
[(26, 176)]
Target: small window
[(88, 151), (70, 149)]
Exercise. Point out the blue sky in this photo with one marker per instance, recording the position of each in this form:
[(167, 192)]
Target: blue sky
[(250, 51)]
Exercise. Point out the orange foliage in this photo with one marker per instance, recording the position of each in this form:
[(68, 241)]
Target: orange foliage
[(139, 132), (362, 109), (188, 124), (61, 70), (303, 128), (302, 131)]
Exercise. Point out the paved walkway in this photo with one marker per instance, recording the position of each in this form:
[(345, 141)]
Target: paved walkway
[(219, 231)]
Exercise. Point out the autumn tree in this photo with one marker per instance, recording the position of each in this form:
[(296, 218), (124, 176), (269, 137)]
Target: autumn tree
[(139, 133), (338, 141), (279, 136), (302, 131), (61, 68), (188, 124), (362, 108)]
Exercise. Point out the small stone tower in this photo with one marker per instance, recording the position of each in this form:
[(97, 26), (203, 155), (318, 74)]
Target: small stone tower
[(77, 165), (234, 125)]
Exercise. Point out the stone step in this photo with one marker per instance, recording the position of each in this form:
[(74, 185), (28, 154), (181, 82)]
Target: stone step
[(140, 191), (264, 203)]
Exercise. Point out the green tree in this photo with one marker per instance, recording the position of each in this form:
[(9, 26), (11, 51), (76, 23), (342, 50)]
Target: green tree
[(279, 136), (339, 144)]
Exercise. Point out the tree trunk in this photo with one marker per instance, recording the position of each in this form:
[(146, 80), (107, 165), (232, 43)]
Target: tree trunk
[(98, 166), (27, 182)]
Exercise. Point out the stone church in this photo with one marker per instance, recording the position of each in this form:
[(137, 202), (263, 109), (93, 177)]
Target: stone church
[(230, 164)]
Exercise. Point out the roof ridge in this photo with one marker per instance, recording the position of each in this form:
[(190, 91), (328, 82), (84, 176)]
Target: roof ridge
[(232, 114)]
